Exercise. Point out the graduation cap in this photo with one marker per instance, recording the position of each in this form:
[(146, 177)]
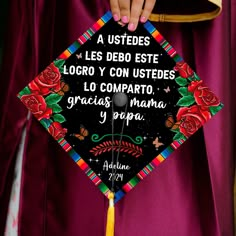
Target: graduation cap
[(119, 103)]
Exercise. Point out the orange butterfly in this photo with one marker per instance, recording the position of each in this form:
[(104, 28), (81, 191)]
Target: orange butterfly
[(82, 134), (64, 88), (171, 124)]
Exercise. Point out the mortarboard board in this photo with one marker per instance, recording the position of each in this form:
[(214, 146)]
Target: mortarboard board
[(119, 103)]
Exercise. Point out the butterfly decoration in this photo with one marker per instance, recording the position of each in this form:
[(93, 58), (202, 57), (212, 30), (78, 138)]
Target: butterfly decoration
[(157, 143), (170, 123), (167, 90), (79, 56), (64, 88), (82, 133)]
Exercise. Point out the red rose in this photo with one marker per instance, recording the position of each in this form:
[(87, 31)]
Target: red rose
[(192, 118), (202, 94), (47, 81), (37, 105), (56, 130), (184, 70)]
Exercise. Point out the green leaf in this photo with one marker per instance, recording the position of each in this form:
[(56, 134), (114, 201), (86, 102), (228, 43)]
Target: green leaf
[(59, 118), (186, 101), (46, 123), (59, 63), (53, 99), (196, 77), (56, 108), (178, 136), (175, 130), (184, 91), (214, 110), (181, 81), (25, 91), (61, 69)]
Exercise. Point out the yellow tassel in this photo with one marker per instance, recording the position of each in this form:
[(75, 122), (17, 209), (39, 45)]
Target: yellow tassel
[(110, 230)]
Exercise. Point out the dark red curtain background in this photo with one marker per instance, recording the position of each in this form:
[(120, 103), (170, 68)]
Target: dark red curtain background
[(190, 194)]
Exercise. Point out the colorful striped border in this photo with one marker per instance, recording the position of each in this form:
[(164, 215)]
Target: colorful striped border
[(161, 40), (86, 36), (157, 160)]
